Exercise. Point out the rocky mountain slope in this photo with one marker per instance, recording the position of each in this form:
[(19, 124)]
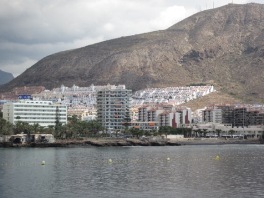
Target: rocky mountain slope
[(5, 77), (212, 99), (222, 46)]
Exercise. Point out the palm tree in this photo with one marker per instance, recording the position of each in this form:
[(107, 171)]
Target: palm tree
[(50, 130), (187, 132), (155, 133), (231, 132), (196, 132), (205, 132), (148, 133), (95, 126), (21, 127), (5, 127), (127, 121), (73, 127), (8, 129), (35, 127), (218, 131), (164, 130), (41, 129), (2, 124), (199, 131), (262, 135), (135, 132)]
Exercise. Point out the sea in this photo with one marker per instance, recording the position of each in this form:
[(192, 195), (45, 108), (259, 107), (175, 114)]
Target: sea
[(171, 171)]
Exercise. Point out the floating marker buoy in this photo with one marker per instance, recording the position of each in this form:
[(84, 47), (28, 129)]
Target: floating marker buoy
[(217, 157), (110, 161), (43, 163), (168, 159)]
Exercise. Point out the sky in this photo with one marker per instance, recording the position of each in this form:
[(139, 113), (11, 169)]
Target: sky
[(33, 29)]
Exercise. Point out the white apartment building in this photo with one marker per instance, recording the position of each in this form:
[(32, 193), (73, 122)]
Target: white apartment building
[(181, 117), (42, 112), (173, 95), (113, 106)]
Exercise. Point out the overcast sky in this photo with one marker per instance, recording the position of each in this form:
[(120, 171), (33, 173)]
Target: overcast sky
[(33, 29)]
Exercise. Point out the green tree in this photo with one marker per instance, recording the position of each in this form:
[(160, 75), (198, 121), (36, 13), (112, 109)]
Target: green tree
[(73, 126), (136, 132), (78, 128), (199, 131), (21, 126), (95, 126), (81, 129), (204, 132), (187, 132), (6, 127), (218, 131), (165, 130), (50, 130), (41, 129), (148, 133), (231, 132), (195, 132), (57, 123), (64, 132), (127, 121), (36, 128)]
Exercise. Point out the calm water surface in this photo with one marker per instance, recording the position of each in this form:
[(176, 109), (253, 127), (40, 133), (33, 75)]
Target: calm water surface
[(192, 171)]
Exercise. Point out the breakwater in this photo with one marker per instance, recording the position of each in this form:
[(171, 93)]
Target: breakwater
[(100, 142), (113, 142)]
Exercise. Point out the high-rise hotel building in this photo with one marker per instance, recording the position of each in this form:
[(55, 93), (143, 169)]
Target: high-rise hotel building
[(44, 113), (113, 106)]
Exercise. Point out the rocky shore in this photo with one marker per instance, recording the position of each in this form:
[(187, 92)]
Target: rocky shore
[(108, 142), (217, 141)]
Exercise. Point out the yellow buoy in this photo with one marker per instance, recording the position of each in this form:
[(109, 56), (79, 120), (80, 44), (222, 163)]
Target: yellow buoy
[(110, 161), (43, 163), (217, 157), (168, 159)]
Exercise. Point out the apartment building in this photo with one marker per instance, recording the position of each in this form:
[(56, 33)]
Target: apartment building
[(174, 95), (227, 113), (181, 117), (84, 114), (42, 112), (235, 116), (113, 106), (165, 115), (213, 115), (149, 113), (146, 126)]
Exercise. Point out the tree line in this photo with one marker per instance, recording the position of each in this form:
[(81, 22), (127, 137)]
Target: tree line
[(73, 129)]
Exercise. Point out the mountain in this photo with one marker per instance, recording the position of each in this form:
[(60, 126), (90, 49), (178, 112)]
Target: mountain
[(5, 77), (222, 46)]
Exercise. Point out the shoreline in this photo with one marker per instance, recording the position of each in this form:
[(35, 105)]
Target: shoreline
[(115, 142)]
